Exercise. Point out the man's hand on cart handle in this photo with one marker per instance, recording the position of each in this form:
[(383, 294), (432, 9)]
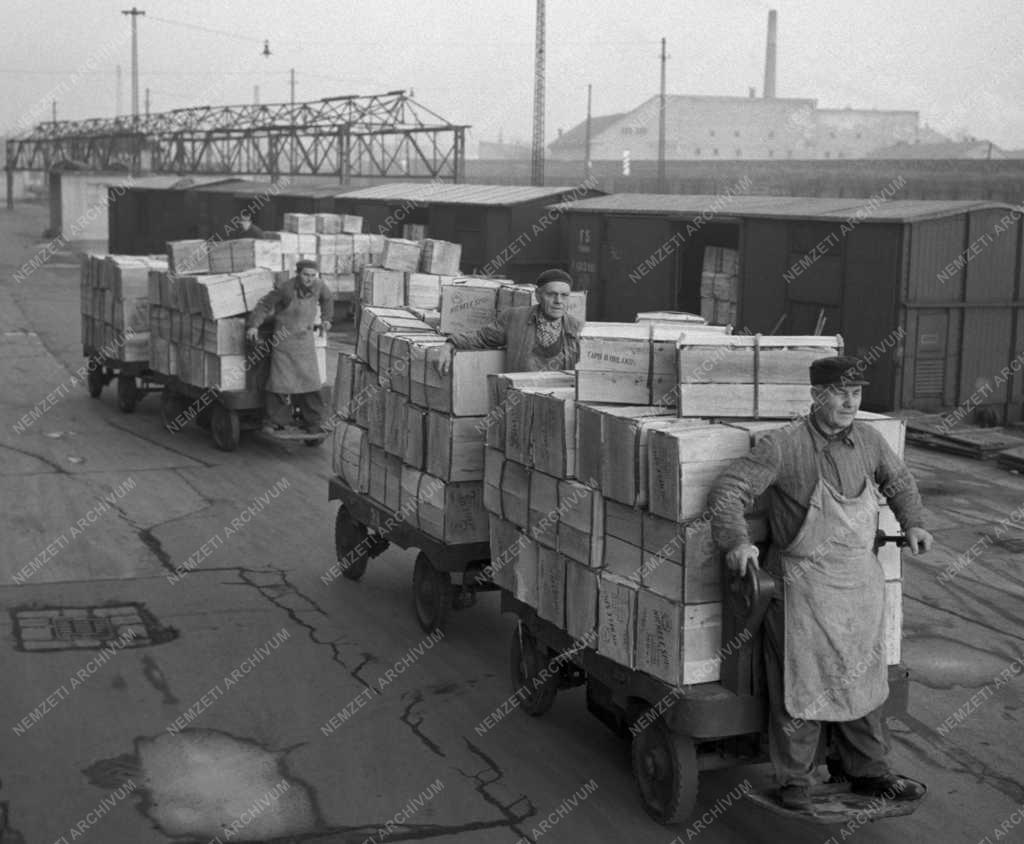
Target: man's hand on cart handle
[(252, 334), (740, 557), (919, 540)]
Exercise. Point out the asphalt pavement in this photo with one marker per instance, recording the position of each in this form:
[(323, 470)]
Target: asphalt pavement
[(250, 696)]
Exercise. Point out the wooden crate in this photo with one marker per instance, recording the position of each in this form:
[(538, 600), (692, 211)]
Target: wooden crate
[(380, 287), (551, 586), (256, 283), (396, 426), (378, 473), (498, 386), (225, 372), (344, 385), (377, 419), (416, 436), (468, 304), (616, 619), (748, 376), (220, 256), (440, 257), (543, 513), (623, 540), (515, 296), (187, 256), (515, 493), (553, 431), (248, 253), (300, 223), (580, 522), (423, 290), (581, 588), (684, 462), (671, 316), (681, 561), (455, 447), (494, 469), (375, 322), (224, 336), (396, 353), (675, 643), (448, 512), (401, 255), (349, 453)]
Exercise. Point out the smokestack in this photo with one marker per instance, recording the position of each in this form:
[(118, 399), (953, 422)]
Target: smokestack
[(769, 57)]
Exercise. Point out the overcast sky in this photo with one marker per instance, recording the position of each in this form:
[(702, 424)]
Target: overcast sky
[(960, 64)]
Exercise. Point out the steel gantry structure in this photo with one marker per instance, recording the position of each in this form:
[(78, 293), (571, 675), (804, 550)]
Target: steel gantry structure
[(380, 135)]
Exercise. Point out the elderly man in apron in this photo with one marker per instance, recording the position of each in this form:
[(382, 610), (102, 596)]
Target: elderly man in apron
[(294, 306), (535, 337), (824, 650)]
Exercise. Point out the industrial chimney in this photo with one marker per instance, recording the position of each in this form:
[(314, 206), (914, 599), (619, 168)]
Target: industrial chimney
[(769, 58)]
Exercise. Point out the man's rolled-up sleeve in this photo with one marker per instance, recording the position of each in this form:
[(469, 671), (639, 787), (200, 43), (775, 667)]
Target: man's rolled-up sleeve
[(735, 490)]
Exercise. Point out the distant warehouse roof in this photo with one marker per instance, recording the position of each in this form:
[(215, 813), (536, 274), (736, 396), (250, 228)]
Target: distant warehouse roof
[(779, 207), (433, 193)]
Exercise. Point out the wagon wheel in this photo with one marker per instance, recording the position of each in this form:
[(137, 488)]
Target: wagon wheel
[(95, 378), (127, 393), (172, 405), (665, 770), (204, 418), (432, 594), (350, 545), (225, 427), (528, 659)]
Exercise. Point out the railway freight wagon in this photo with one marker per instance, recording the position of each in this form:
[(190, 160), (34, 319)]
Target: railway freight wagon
[(929, 292), (512, 232)]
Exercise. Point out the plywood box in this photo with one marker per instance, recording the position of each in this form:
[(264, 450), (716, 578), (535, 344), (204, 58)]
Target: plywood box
[(543, 509), (422, 356), (449, 512), (515, 493), (463, 391), (393, 482), (683, 463), (623, 540), (553, 431), (219, 256), (382, 287), (395, 423), (623, 559), (374, 322), (494, 469), (248, 253), (365, 396), (678, 644), (499, 400), (224, 336), (440, 257), (467, 305), (401, 255), (349, 454), (423, 290), (526, 572), (396, 360), (581, 588), (616, 619), (455, 446), (187, 256), (551, 586), (131, 314), (377, 427), (580, 523), (416, 436), (378, 475)]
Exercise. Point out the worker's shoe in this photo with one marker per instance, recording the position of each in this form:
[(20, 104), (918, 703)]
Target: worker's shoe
[(888, 787), (795, 797)]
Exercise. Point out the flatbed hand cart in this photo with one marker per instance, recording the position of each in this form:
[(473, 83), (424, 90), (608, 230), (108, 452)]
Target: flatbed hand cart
[(134, 378), (677, 732), (445, 577)]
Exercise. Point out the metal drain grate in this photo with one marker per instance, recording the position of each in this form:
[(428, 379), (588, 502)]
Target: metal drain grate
[(87, 628)]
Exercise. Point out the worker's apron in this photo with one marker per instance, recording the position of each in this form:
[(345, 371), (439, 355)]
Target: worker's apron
[(293, 367), (835, 604)]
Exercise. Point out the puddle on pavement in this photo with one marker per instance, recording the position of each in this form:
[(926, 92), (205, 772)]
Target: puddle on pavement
[(209, 785), (942, 663)]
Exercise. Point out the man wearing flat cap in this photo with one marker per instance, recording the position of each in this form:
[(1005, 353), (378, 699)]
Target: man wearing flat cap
[(824, 648), (294, 307), (535, 337)]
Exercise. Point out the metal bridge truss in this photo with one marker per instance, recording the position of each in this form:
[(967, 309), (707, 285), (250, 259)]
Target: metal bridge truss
[(380, 135)]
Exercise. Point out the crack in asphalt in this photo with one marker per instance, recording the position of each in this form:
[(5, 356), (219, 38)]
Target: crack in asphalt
[(60, 470), (512, 818), (205, 464), (416, 697)]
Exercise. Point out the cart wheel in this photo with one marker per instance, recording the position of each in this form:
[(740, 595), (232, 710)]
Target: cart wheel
[(127, 393), (95, 378), (205, 418), (172, 405), (350, 544), (225, 427), (528, 659), (665, 769), (432, 594)]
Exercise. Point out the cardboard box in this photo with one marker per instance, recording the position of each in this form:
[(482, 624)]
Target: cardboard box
[(468, 305), (616, 619), (455, 447)]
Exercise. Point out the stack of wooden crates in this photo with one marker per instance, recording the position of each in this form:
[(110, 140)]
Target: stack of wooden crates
[(597, 482), (114, 304)]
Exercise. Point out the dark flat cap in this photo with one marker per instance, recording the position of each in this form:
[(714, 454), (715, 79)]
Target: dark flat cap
[(306, 264), (553, 275), (843, 371)]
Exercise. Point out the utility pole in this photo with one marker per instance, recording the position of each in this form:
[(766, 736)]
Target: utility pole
[(661, 124), (538, 101), (54, 111), (147, 102), (135, 13), (117, 107), (292, 130), (586, 152)]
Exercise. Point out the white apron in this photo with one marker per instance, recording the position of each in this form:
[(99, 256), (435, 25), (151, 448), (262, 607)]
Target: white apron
[(835, 666), (293, 367)]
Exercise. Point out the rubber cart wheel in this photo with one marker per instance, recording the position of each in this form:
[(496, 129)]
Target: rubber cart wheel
[(350, 545), (226, 428), (95, 378), (431, 593), (127, 393), (172, 405), (528, 659), (665, 770)]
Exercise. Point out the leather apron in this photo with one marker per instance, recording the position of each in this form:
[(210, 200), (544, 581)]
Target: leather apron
[(835, 665), (293, 367)]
